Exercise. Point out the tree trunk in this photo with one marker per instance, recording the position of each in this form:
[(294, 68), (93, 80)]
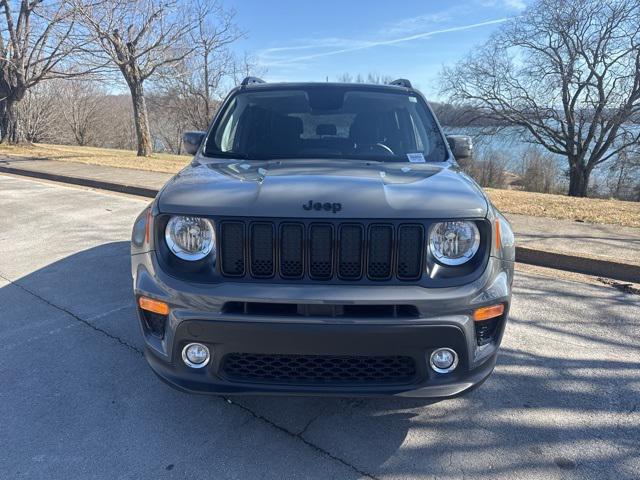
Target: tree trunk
[(12, 132), (578, 181), (141, 119), (3, 119), (207, 93)]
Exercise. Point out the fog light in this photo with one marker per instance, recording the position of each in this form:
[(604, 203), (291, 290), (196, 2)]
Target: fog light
[(195, 355), (444, 360)]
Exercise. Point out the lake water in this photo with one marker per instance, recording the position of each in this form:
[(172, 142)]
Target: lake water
[(510, 143)]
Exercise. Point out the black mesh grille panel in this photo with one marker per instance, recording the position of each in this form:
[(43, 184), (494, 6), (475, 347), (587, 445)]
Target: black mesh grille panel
[(410, 246), (320, 251), (232, 247), (291, 251), (350, 252), (319, 369), (379, 258), (262, 264)]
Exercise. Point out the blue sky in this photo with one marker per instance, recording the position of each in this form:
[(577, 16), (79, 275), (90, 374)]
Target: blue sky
[(310, 41)]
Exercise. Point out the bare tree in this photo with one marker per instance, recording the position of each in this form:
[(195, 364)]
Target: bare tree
[(39, 113), (180, 101), (489, 169), (539, 171), (139, 37), (118, 130), (214, 33), (623, 178), (245, 66), (82, 108), (567, 74), (345, 77), (168, 123), (373, 78), (190, 90), (33, 47)]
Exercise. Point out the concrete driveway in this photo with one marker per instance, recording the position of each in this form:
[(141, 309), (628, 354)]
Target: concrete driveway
[(78, 401)]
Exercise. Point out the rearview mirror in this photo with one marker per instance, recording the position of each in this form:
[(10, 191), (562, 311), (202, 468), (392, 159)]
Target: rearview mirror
[(192, 141), (461, 146)]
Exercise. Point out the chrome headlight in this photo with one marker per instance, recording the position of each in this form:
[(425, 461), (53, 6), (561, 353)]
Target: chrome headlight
[(190, 238), (454, 243)]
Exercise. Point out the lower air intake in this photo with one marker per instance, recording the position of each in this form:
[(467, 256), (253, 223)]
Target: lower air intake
[(486, 330), (319, 369)]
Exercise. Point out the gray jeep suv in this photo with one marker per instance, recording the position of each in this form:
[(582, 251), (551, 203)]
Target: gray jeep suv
[(323, 241)]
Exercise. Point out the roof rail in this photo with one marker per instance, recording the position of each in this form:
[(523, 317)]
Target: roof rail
[(251, 80), (401, 82)]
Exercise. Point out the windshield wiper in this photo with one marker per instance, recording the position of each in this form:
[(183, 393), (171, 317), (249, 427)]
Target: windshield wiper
[(239, 156)]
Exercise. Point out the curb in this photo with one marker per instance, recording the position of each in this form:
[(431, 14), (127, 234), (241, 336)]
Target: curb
[(559, 261), (84, 182), (585, 265)]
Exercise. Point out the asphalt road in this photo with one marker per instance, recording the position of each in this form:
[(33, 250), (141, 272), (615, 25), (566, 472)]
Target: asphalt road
[(77, 399)]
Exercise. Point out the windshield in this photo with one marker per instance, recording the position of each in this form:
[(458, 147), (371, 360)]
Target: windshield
[(327, 122)]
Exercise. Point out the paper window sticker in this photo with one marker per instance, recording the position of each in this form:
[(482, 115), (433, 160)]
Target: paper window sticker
[(415, 157)]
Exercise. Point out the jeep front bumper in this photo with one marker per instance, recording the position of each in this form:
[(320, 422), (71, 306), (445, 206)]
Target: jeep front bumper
[(268, 340)]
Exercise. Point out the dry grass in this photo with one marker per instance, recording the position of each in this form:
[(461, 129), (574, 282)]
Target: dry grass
[(590, 210), (159, 162)]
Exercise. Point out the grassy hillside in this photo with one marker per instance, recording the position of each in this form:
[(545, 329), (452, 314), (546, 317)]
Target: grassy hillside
[(589, 210), (159, 162)]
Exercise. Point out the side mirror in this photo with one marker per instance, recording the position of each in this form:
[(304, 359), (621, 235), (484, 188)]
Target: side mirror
[(461, 146), (192, 141)]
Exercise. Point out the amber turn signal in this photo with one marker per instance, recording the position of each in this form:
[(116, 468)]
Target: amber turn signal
[(485, 313), (155, 306), (498, 236)]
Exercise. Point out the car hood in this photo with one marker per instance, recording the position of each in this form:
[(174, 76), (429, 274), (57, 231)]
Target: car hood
[(362, 189)]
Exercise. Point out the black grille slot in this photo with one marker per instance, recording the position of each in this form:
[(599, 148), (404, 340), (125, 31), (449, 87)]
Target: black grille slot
[(262, 264), (320, 252), (319, 369), (291, 251), (350, 252), (379, 258), (410, 246), (232, 248)]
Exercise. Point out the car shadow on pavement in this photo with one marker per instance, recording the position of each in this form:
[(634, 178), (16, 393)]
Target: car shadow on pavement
[(92, 288), (558, 404)]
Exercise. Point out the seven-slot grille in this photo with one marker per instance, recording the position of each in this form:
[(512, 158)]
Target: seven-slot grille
[(348, 251)]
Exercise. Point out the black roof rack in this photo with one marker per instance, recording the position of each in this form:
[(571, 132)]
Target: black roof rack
[(401, 82), (251, 80)]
